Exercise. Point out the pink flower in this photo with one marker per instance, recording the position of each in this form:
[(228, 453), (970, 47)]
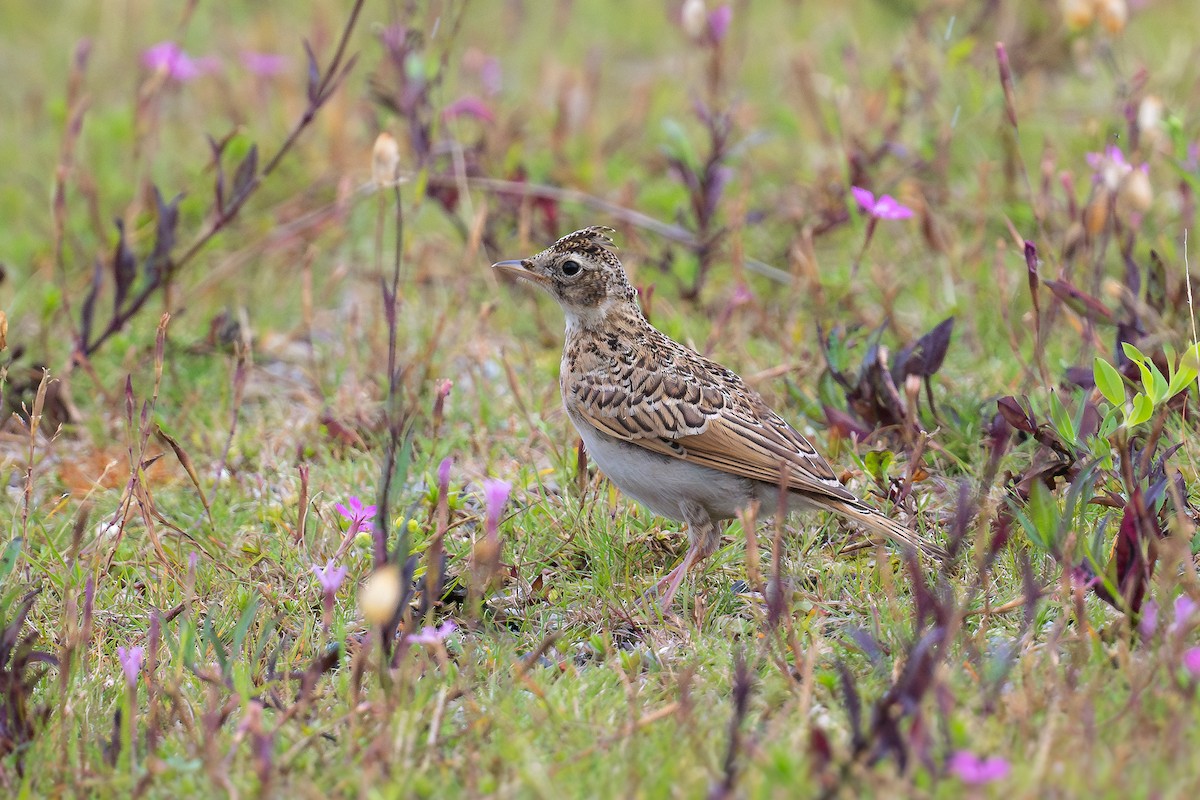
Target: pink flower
[(169, 57), (1191, 661), (971, 769), (265, 65), (360, 516), (718, 22), (469, 106), (330, 577), (495, 496), (431, 635), (1110, 167), (1185, 609), (131, 662), (886, 207), (1148, 621)]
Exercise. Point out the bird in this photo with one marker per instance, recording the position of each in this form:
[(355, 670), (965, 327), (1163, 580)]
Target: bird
[(683, 435)]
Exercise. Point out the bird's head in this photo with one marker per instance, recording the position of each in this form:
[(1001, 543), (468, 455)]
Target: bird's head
[(583, 274)]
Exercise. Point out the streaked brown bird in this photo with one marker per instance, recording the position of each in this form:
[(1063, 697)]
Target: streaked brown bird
[(681, 434)]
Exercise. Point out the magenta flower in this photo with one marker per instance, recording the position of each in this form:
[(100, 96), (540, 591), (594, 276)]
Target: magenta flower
[(886, 207), (718, 22), (469, 106), (971, 769), (265, 65), (131, 662), (1191, 661), (169, 57), (495, 496), (330, 577), (360, 516), (432, 635)]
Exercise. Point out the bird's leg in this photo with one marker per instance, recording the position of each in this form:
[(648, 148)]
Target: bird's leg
[(704, 536)]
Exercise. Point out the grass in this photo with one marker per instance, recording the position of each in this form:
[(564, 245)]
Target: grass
[(1052, 658)]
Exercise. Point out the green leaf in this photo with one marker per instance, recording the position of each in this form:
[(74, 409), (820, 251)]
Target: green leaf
[(877, 463), (243, 625), (1110, 422), (1132, 353), (1061, 419), (1109, 381), (1042, 521), (1143, 409), (1188, 370), (9, 559), (1157, 389)]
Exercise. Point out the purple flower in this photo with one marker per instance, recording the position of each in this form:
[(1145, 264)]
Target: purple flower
[(1191, 661), (330, 577), (1148, 622), (1185, 609), (360, 516), (718, 22), (131, 662), (971, 769), (432, 635), (495, 496), (443, 474), (169, 57), (491, 76), (469, 106), (886, 207), (265, 65), (1110, 167)]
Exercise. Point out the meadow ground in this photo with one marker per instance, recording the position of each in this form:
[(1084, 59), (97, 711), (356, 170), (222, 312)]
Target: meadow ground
[(262, 278)]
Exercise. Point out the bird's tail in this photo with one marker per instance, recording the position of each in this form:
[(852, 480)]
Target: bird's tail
[(870, 518)]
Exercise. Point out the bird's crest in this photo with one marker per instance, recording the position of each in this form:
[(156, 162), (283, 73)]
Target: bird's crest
[(594, 239)]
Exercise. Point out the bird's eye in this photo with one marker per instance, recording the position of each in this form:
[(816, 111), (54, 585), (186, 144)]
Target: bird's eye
[(570, 268)]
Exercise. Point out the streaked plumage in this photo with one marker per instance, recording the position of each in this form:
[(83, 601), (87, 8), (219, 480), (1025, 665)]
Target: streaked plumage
[(678, 432)]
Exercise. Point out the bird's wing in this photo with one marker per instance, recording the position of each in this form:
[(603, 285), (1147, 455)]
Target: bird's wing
[(704, 414)]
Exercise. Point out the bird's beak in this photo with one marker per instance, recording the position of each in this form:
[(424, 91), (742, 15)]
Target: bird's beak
[(519, 269)]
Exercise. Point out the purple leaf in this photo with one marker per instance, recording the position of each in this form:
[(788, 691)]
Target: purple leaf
[(1014, 414), (124, 267), (244, 177)]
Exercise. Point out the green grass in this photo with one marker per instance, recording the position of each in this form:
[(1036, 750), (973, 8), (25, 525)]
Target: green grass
[(557, 682)]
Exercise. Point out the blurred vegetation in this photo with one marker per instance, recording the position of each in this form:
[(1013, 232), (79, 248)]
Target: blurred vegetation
[(1012, 369)]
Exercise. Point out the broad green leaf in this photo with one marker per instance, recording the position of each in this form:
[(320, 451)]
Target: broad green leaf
[(1157, 388), (1132, 353), (1109, 381), (1143, 409), (11, 551), (1111, 421), (877, 463)]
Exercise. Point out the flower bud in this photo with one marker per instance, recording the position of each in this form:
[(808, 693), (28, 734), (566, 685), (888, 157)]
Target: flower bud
[(385, 160), (379, 596), (1135, 194), (1112, 15), (1077, 14), (694, 18)]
